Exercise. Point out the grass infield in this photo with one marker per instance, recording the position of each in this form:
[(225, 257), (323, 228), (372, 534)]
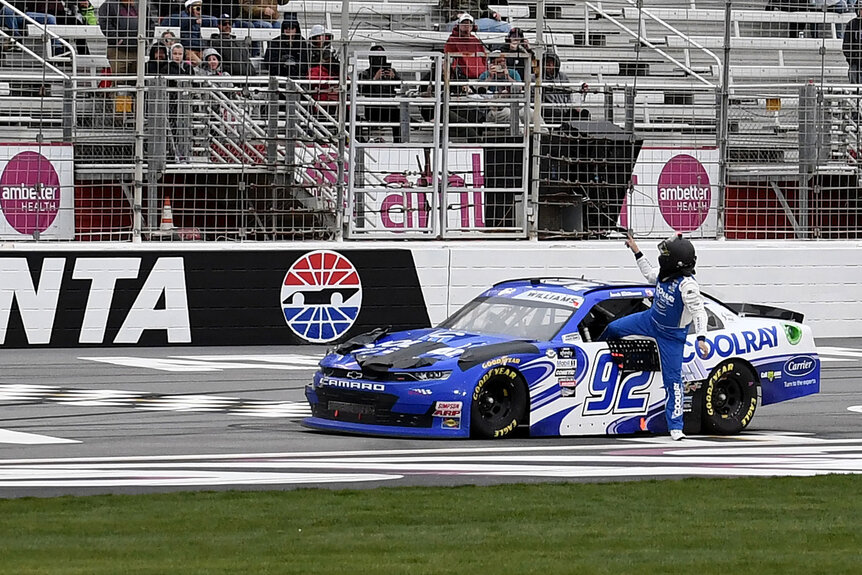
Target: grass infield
[(775, 525)]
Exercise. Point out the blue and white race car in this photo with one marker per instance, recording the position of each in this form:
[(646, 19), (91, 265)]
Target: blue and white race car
[(527, 355)]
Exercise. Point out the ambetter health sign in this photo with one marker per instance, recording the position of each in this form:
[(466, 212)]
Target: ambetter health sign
[(37, 192), (674, 190)]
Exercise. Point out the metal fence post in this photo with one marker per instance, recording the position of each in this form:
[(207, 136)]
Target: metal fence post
[(808, 140), (723, 127), (630, 109), (272, 122), (156, 143), (68, 109)]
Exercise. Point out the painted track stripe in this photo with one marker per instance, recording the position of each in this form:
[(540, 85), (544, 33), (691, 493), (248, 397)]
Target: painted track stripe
[(153, 401), (21, 438)]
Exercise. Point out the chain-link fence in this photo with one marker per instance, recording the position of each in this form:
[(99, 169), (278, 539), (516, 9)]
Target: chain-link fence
[(534, 120)]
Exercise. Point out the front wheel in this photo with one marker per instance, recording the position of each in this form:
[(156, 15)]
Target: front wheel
[(499, 403), (730, 399)]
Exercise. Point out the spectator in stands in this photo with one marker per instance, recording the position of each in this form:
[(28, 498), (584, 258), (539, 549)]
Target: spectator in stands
[(488, 20), (85, 13), (498, 71), (557, 95), (211, 64), (168, 38), (324, 84), (236, 58), (288, 55), (519, 55), (852, 46), (191, 21), (377, 83), (320, 39), (178, 65), (157, 64), (119, 22), (81, 13), (503, 82), (259, 13), (469, 53)]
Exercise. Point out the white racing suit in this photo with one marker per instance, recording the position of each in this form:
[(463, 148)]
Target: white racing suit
[(677, 303)]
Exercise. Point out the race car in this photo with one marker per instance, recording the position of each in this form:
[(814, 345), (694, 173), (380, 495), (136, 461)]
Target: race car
[(527, 356)]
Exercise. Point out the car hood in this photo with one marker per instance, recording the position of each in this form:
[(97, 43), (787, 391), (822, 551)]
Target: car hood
[(439, 349)]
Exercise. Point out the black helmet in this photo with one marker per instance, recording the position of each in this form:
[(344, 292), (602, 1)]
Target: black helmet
[(676, 258)]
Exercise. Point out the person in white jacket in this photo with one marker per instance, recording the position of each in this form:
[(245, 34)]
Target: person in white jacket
[(677, 304)]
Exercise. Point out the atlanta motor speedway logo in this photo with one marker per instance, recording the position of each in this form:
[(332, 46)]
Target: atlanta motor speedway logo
[(321, 296)]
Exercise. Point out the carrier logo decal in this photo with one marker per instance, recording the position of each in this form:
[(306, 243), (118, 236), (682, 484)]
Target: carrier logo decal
[(321, 296)]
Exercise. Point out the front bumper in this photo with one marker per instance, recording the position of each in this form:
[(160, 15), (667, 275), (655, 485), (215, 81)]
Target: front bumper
[(399, 410)]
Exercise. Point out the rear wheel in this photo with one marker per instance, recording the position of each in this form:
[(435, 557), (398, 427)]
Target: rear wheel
[(730, 399), (499, 403)]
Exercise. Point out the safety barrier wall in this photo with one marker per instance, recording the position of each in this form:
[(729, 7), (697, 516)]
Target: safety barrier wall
[(275, 294)]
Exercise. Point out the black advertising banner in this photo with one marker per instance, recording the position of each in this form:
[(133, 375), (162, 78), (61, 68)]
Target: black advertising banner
[(230, 297)]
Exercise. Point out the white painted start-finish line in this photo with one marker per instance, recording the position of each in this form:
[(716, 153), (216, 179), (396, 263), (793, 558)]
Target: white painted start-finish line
[(751, 455)]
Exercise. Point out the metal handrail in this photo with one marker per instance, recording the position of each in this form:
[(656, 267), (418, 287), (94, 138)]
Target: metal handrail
[(45, 32), (640, 38)]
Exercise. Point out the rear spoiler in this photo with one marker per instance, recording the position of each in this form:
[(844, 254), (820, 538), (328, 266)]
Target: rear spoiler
[(759, 310)]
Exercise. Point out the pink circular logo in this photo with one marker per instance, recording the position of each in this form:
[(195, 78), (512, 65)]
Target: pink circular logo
[(684, 193), (30, 193)]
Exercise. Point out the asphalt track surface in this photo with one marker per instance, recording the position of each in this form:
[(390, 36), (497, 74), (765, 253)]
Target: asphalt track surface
[(135, 420)]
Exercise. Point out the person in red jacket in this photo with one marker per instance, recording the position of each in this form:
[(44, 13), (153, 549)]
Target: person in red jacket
[(324, 85), (469, 53)]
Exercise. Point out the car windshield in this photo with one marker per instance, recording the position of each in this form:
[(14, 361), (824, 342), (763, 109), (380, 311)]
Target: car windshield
[(520, 319)]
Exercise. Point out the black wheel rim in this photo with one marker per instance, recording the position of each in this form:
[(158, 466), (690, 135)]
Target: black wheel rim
[(495, 401), (727, 397)]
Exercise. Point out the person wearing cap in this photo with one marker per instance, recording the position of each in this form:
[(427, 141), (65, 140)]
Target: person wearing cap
[(487, 20), (191, 21), (211, 63), (377, 82), (320, 39), (288, 55), (519, 54), (468, 53), (235, 55)]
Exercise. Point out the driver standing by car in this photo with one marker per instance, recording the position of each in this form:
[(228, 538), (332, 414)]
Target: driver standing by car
[(677, 303)]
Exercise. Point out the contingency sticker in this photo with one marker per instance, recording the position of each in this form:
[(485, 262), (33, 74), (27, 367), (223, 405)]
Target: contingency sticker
[(447, 409)]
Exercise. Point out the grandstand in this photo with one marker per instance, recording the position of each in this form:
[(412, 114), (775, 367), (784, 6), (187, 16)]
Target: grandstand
[(257, 157)]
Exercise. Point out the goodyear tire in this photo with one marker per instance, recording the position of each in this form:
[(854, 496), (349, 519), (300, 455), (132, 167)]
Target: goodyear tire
[(499, 403), (730, 398)]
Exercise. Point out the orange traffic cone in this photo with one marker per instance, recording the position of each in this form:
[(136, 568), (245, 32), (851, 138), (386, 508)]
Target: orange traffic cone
[(167, 216)]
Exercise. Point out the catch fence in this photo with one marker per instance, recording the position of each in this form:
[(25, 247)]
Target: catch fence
[(718, 119)]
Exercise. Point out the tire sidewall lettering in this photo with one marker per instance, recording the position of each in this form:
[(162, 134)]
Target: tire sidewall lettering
[(509, 375), (505, 371), (506, 430), (710, 388)]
